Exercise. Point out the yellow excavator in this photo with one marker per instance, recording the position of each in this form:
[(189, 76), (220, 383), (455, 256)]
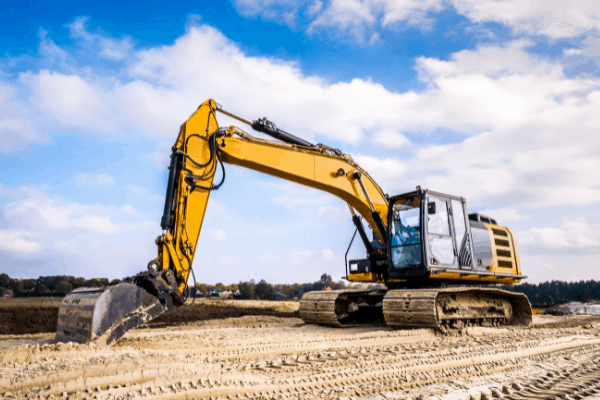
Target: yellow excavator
[(436, 265)]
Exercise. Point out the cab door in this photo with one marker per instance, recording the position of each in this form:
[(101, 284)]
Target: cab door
[(461, 233), (440, 241)]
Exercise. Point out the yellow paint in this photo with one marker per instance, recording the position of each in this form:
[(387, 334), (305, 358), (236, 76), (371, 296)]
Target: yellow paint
[(314, 167), (361, 277)]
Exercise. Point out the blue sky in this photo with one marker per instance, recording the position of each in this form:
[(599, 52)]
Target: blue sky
[(495, 101)]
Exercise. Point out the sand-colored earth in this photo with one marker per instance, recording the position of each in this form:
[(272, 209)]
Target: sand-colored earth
[(262, 357)]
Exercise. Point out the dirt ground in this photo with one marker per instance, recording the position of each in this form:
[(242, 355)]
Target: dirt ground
[(29, 316), (269, 357)]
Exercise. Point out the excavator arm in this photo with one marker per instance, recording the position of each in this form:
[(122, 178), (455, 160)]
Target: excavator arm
[(202, 148)]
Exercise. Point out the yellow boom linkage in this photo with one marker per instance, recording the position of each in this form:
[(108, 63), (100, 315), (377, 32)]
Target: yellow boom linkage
[(320, 167)]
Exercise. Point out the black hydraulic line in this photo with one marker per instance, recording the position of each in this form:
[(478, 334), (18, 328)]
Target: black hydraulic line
[(379, 223), (265, 126), (167, 217), (376, 216), (363, 235), (346, 255)]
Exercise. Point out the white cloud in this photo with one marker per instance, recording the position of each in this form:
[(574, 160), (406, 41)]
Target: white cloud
[(517, 108), (48, 48), (501, 215), (590, 47), (390, 139), (81, 239), (281, 11), (99, 180), (359, 18), (574, 234), (556, 19), (108, 47), (18, 241), (16, 130), (386, 172), (36, 211), (70, 101)]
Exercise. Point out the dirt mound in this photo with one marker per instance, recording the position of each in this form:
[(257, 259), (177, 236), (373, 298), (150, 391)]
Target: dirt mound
[(22, 320), (575, 308), (26, 320), (205, 312)]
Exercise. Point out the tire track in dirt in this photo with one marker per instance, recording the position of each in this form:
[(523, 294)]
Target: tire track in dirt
[(263, 357)]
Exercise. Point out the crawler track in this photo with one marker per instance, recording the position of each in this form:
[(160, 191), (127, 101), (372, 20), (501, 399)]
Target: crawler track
[(270, 358), (442, 309)]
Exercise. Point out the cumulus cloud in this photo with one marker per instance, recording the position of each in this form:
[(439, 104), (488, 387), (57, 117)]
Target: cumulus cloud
[(504, 214), (41, 212), (556, 19), (521, 130), (573, 235), (83, 239), (114, 49), (281, 11), (359, 18), (16, 130), (18, 241), (526, 130)]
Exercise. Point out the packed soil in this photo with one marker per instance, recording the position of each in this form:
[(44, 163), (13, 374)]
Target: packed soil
[(205, 312), (23, 320), (269, 357), (19, 319)]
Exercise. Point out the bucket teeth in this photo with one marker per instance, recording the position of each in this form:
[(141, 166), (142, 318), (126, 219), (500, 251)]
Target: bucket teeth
[(103, 315)]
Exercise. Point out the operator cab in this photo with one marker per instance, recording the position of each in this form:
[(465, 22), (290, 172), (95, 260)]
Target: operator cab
[(428, 229), (431, 235)]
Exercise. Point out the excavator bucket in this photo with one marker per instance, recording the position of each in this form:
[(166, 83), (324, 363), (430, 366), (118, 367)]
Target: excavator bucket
[(103, 315)]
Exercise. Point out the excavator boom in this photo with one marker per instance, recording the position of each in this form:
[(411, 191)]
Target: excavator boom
[(105, 314)]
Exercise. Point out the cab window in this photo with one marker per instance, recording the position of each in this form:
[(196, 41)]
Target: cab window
[(406, 233)]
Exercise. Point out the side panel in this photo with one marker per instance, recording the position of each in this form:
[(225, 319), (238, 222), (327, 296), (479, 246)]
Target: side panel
[(505, 256), (482, 245)]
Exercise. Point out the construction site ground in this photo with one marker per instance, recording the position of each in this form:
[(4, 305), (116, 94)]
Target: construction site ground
[(273, 355)]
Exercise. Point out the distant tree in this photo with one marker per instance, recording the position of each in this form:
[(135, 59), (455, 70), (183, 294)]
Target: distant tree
[(221, 287), (28, 284), (247, 289), (97, 282), (264, 290), (115, 281), (325, 280), (203, 287), (78, 282), (19, 287), (4, 280), (40, 288), (63, 287), (338, 285)]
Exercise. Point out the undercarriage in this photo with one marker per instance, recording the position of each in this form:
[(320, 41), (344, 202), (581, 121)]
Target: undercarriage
[(442, 309)]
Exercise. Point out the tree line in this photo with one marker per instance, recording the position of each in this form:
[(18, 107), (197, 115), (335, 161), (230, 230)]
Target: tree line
[(552, 293), (545, 294), (58, 285)]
